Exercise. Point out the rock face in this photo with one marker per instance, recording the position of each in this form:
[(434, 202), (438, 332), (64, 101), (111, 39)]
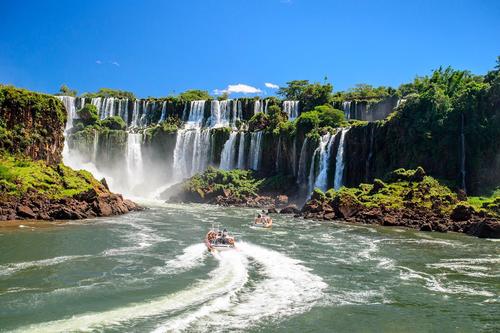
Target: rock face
[(31, 137), (85, 205), (409, 199), (42, 118)]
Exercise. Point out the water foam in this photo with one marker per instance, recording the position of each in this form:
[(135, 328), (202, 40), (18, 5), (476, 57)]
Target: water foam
[(228, 277)]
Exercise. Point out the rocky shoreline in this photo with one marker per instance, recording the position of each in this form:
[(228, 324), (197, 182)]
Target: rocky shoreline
[(408, 198), (463, 218), (85, 205)]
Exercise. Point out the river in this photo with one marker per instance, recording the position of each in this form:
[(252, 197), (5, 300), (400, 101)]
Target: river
[(150, 272)]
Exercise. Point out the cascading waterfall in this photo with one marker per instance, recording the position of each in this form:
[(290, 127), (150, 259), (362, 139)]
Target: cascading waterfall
[(196, 113), (134, 160), (325, 148), (301, 173), (346, 107), (95, 147), (241, 152), (278, 155), (255, 150), (339, 162), (193, 148), (228, 152), (163, 111), (257, 107), (70, 105), (291, 108), (312, 173)]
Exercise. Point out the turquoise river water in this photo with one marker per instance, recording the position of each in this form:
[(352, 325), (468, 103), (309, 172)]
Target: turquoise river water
[(150, 272)]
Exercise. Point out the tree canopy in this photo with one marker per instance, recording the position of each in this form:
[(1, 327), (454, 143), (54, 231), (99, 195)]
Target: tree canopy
[(194, 95), (310, 95)]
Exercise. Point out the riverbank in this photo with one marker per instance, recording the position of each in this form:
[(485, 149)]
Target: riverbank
[(407, 198)]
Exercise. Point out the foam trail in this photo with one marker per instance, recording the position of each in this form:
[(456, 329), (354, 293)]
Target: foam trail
[(229, 276), (287, 288), (192, 256), (11, 268), (222, 303)]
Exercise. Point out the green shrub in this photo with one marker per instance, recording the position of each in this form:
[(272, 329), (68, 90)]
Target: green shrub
[(114, 123), (88, 115)]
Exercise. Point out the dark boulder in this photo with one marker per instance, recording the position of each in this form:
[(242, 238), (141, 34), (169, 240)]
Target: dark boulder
[(462, 213), (485, 229), (25, 211), (290, 209)]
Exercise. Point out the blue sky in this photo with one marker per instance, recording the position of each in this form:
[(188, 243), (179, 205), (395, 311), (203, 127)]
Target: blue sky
[(155, 48)]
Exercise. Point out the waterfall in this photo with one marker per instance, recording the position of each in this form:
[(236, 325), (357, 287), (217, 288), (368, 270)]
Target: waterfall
[(191, 151), (241, 152), (339, 162), (291, 108), (134, 160), (462, 153), (228, 152), (135, 114), (278, 155), (220, 113), (312, 173), (95, 147), (163, 111), (257, 107), (346, 107), (325, 147), (196, 114), (255, 150), (265, 105), (70, 105), (301, 173)]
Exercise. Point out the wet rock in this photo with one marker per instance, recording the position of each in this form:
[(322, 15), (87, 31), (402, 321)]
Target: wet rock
[(290, 209), (426, 227), (282, 199), (25, 211), (485, 229), (105, 183), (329, 216), (272, 210), (461, 213)]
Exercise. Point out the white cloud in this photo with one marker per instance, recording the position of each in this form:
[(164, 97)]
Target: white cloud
[(238, 88), (98, 62), (115, 63), (271, 85)]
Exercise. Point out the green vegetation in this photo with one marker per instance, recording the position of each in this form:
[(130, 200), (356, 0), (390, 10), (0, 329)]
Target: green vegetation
[(365, 92), (321, 117), (310, 95), (432, 119), (240, 183), (66, 91), (258, 122), (401, 188), (490, 203), (169, 126), (19, 176), (114, 123), (88, 115), (107, 92), (30, 123), (194, 95)]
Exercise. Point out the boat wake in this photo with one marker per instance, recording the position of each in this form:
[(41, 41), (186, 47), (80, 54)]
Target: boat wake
[(248, 284)]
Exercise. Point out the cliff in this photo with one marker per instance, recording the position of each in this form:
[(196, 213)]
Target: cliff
[(31, 124), (34, 184)]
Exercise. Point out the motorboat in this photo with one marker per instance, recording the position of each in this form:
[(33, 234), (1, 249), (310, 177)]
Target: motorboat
[(219, 240)]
